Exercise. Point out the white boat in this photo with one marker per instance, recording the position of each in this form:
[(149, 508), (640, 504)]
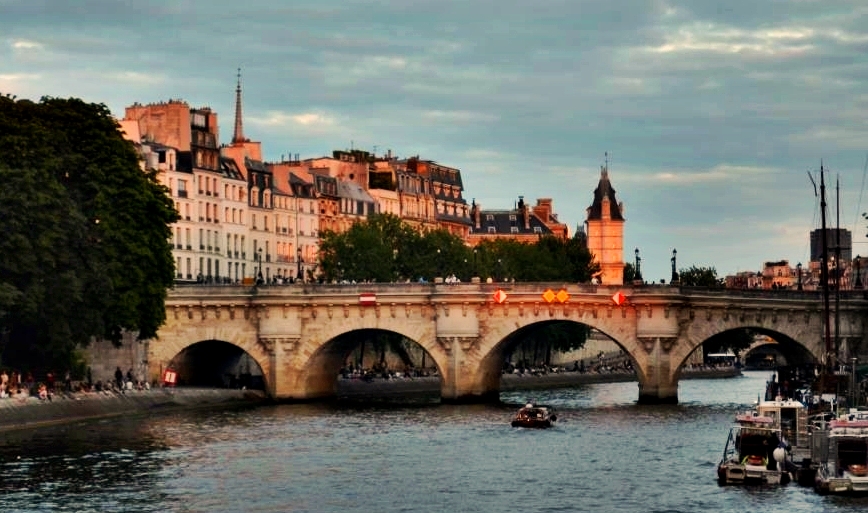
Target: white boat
[(843, 467), (756, 452)]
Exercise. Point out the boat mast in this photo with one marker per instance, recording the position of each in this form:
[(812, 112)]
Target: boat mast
[(824, 281), (838, 265)]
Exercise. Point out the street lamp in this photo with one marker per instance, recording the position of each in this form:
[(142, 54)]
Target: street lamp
[(637, 276), (258, 256), (674, 272), (299, 274), (439, 267), (799, 275), (475, 270), (858, 262)]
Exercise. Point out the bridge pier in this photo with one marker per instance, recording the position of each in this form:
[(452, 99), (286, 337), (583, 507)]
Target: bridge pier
[(656, 385), (466, 378)]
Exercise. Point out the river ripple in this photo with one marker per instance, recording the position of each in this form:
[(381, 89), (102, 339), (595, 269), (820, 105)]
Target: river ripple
[(606, 454)]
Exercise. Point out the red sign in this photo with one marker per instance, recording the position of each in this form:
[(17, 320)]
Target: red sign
[(170, 377), (499, 296), (367, 298), (619, 298)]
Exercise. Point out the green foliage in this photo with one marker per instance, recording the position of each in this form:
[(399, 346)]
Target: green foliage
[(85, 250), (385, 249), (735, 340), (700, 277), (629, 272)]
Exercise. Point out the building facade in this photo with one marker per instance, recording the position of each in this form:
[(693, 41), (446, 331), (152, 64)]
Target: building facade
[(604, 229)]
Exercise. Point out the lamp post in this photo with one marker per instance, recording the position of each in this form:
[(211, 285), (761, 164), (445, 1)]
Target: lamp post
[(799, 276), (395, 265), (475, 269), (299, 275), (674, 272), (258, 256), (637, 276), (439, 271), (858, 262)]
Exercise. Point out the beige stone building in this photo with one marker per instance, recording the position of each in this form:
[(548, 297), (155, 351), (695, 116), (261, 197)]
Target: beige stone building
[(604, 228)]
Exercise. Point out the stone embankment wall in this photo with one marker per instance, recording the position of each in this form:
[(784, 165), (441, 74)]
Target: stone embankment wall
[(30, 412)]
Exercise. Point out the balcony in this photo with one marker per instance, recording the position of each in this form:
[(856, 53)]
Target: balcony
[(209, 248), (182, 194), (229, 254), (201, 247), (187, 218), (189, 247), (236, 254), (216, 220)]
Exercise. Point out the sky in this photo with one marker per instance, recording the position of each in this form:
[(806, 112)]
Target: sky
[(712, 114)]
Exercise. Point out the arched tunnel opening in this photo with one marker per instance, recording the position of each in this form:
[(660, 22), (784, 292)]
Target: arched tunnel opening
[(217, 364), (375, 362), (560, 346)]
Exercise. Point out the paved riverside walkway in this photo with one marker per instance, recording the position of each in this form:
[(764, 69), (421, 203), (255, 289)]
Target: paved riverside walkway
[(30, 412), (379, 387)]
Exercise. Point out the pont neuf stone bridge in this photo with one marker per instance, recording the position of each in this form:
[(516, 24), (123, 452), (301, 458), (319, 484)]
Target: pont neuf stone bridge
[(297, 333)]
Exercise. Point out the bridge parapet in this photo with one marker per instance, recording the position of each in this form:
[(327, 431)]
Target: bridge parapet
[(296, 332)]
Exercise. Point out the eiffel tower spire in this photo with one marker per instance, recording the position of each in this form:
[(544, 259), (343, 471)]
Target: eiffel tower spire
[(238, 136)]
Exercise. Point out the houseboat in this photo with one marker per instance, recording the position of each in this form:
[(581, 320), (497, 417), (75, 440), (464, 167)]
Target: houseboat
[(843, 458)]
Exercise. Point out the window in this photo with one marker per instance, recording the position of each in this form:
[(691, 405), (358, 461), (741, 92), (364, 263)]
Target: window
[(491, 229), (513, 229), (512, 217), (489, 217), (537, 229)]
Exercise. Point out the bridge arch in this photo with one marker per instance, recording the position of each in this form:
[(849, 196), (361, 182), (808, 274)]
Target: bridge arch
[(499, 337), (798, 341), (178, 337), (311, 370)]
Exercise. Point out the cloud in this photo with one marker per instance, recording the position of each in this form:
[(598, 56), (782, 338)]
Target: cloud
[(24, 44), (710, 113)]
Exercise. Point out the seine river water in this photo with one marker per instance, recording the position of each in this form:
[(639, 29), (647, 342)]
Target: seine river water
[(606, 454)]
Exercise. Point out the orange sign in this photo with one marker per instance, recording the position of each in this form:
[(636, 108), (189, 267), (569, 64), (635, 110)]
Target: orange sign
[(560, 296), (619, 298), (499, 296), (170, 377)]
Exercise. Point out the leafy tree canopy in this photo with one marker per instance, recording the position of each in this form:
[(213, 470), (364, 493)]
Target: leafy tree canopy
[(700, 277), (85, 249), (385, 249)]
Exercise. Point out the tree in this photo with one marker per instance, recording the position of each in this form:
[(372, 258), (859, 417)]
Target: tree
[(85, 251), (700, 277)]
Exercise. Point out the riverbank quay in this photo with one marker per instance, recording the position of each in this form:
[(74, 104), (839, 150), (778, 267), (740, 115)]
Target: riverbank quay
[(64, 408), (377, 388)]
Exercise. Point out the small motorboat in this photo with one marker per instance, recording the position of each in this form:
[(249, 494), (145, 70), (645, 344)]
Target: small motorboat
[(755, 452), (534, 416)]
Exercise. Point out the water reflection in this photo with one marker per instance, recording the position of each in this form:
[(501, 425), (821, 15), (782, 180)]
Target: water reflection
[(606, 454)]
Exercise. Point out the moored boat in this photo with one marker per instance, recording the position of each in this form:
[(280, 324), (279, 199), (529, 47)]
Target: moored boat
[(755, 452), (843, 467), (534, 416)]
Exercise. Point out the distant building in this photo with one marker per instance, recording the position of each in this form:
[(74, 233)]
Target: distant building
[(778, 275), (835, 238), (605, 231), (522, 224)]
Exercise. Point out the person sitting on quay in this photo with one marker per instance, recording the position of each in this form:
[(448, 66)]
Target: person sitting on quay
[(43, 393)]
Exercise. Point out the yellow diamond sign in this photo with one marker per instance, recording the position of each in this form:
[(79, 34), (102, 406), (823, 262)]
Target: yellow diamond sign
[(563, 296), (548, 295)]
